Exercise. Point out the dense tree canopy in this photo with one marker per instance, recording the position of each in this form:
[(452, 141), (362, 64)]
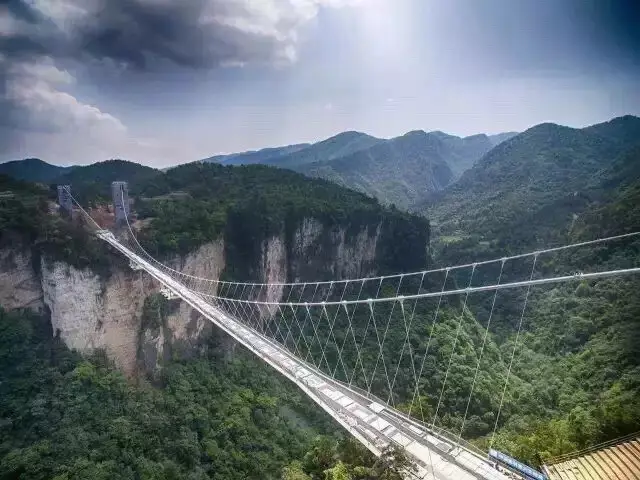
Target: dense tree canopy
[(66, 417)]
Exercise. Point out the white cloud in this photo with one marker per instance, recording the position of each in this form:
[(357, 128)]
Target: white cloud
[(33, 89), (44, 118), (42, 114)]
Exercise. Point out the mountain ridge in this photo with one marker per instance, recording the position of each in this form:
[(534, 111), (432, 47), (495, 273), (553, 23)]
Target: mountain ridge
[(546, 176), (33, 170)]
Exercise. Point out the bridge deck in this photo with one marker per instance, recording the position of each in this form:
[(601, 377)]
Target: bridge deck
[(366, 418)]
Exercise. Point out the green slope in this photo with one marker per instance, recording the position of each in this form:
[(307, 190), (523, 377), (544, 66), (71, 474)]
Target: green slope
[(65, 417), (33, 170), (94, 181), (498, 138), (531, 187), (405, 169), (401, 170), (264, 155), (462, 153), (340, 145), (247, 204)]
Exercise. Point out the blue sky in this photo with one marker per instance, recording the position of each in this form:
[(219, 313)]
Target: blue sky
[(163, 82)]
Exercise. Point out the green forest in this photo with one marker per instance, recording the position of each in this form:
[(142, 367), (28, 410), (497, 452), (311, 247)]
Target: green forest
[(66, 417)]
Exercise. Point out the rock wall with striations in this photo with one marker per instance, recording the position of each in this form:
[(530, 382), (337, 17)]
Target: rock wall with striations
[(90, 311)]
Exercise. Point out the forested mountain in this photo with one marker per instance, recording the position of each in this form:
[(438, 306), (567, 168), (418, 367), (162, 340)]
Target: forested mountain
[(338, 146), (402, 170), (395, 171), (462, 153), (530, 189), (206, 417), (578, 372), (263, 156), (293, 156), (69, 417), (33, 170), (405, 169), (501, 137), (95, 180), (248, 204), (575, 380)]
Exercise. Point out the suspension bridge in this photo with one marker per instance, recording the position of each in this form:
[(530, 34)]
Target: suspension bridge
[(352, 345)]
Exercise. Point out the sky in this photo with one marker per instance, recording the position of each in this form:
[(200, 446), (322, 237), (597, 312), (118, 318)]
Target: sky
[(163, 82)]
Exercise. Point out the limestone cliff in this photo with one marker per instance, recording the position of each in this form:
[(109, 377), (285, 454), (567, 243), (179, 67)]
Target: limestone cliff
[(334, 252), (19, 283), (91, 311)]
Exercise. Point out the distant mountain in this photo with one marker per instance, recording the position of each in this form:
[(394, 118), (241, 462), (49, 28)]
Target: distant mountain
[(256, 156), (501, 137), (399, 171), (33, 170), (403, 170), (338, 146), (293, 156), (623, 131), (462, 153), (545, 176)]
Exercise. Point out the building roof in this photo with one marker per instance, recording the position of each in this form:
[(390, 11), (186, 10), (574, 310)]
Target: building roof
[(615, 460)]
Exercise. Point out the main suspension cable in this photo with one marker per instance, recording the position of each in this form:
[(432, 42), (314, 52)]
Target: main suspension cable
[(399, 275)]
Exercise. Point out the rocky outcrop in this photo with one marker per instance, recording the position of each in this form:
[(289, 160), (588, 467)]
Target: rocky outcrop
[(177, 331), (207, 261), (19, 283), (90, 311), (331, 253)]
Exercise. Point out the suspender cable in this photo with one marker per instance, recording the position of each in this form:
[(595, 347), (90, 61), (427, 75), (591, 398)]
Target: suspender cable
[(416, 391), (484, 342), (455, 344), (515, 346)]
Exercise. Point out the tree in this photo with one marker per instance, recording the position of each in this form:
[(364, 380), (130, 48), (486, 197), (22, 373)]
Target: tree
[(294, 471), (338, 472)]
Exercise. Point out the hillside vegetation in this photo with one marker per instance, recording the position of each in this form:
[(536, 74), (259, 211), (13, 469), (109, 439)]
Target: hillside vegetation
[(578, 375), (65, 417), (26, 221), (400, 170), (247, 205), (33, 170), (528, 191)]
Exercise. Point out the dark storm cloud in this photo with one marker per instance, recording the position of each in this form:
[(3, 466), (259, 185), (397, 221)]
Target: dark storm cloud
[(23, 11), (40, 38), (143, 33), (136, 33)]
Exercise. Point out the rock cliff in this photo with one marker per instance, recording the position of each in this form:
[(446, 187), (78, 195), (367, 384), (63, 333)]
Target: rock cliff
[(90, 311), (19, 283)]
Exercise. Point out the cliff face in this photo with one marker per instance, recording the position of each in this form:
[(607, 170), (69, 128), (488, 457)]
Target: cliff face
[(19, 283), (336, 252), (92, 312)]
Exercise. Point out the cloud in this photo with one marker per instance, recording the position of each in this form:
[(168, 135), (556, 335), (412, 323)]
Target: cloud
[(35, 104), (41, 114), (34, 91), (144, 34)]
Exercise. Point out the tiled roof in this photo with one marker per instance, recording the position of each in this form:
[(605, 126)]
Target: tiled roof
[(613, 461)]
